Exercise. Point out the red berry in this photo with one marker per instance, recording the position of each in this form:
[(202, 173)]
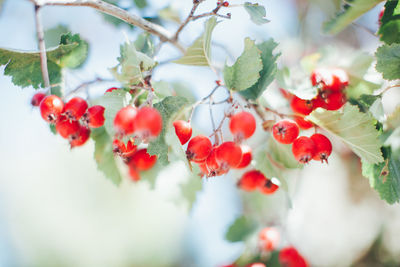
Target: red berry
[(302, 123), (225, 4), (242, 125), (301, 106), (381, 15), (256, 264), (199, 148), (323, 147), (37, 98), (148, 123), (134, 174), (268, 238), (212, 163), (142, 161), (111, 89), (66, 128), (332, 79), (94, 116), (285, 131), (269, 187), (75, 108), (246, 157), (81, 137), (228, 155), (318, 102), (334, 100), (290, 257), (303, 149), (123, 121), (203, 169), (252, 180), (124, 151), (51, 108), (183, 130), (340, 80)]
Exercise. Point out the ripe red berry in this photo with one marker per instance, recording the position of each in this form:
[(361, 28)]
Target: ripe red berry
[(340, 80), (199, 148), (37, 98), (318, 102), (66, 128), (269, 187), (124, 151), (228, 155), (75, 108), (142, 161), (80, 138), (332, 79), (381, 15), (134, 174), (301, 106), (268, 238), (225, 4), (123, 121), (94, 116), (334, 100), (246, 157), (148, 123), (302, 123), (252, 180), (303, 149), (285, 131), (212, 163), (242, 125), (110, 89), (183, 130), (323, 147), (290, 257), (203, 169), (51, 108)]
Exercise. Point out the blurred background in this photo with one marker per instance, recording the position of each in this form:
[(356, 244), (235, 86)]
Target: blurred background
[(56, 209)]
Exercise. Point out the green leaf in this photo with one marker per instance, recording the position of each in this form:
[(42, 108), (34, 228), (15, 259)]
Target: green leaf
[(296, 82), (240, 229), (78, 56), (112, 102), (144, 44), (389, 31), (282, 154), (352, 9), (132, 66), (246, 70), (168, 109), (104, 156), (141, 3), (199, 53), (354, 128), (388, 61), (52, 36), (268, 71), (385, 177), (257, 13)]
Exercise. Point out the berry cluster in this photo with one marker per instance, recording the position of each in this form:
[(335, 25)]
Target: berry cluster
[(73, 119)]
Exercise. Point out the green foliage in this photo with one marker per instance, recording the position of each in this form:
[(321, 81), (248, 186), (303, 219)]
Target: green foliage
[(389, 31), (246, 70), (169, 107), (354, 128), (268, 72), (352, 9), (240, 229), (370, 103), (199, 53), (52, 36), (257, 13), (388, 61), (144, 44), (140, 3), (104, 156), (296, 82), (78, 56), (132, 66)]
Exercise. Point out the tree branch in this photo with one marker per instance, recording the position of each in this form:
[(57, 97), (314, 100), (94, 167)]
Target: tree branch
[(120, 13), (42, 48)]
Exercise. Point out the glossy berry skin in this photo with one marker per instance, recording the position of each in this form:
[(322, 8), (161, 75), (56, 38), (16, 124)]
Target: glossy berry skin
[(81, 137), (123, 121), (183, 131), (302, 123), (51, 108), (269, 187), (228, 155), (203, 169), (323, 147), (134, 174), (268, 238), (334, 100), (75, 108), (242, 125), (142, 161), (246, 157), (124, 151), (252, 180), (94, 116), (213, 167), (290, 257), (199, 148), (318, 102), (225, 4), (304, 149), (148, 123), (332, 79), (109, 90), (285, 131), (301, 106), (37, 98), (66, 128)]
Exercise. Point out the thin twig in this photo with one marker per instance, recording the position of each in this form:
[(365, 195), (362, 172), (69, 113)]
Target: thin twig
[(196, 3), (388, 88), (42, 48), (365, 29), (86, 84)]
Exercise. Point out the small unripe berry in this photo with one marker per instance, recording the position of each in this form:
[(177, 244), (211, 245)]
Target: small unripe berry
[(142, 161), (123, 121), (75, 108), (246, 157), (242, 125), (51, 108), (80, 138), (37, 98), (323, 147), (66, 128), (301, 106), (268, 238), (228, 155), (303, 149), (94, 117), (252, 180), (199, 148), (183, 130), (285, 131), (147, 123)]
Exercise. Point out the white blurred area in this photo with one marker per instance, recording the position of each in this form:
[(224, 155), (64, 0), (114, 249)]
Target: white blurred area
[(56, 209)]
